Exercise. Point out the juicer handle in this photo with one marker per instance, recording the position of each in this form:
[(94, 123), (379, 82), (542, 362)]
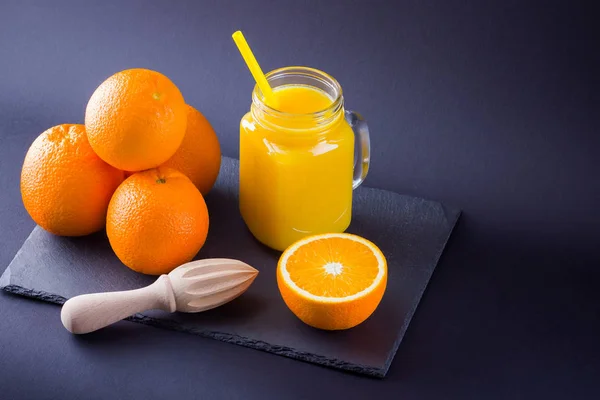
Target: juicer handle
[(89, 312), (362, 147)]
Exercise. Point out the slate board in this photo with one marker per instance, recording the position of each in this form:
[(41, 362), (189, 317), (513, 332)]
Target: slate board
[(411, 232)]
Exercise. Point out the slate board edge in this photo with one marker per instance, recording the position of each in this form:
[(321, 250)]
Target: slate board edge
[(411, 312), (223, 337), (5, 278)]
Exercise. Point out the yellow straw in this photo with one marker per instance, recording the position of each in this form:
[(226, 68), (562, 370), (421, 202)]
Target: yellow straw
[(253, 66)]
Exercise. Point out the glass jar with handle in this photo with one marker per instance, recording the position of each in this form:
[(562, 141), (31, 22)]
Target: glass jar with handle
[(301, 156)]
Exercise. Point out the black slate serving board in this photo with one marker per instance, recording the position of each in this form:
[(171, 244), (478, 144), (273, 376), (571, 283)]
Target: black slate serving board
[(411, 232)]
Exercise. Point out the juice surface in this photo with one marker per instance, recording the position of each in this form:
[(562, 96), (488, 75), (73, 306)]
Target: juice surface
[(295, 179), (300, 99)]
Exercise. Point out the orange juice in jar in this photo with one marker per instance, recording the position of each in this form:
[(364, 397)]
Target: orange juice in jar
[(299, 159)]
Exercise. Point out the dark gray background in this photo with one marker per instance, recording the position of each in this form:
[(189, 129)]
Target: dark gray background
[(490, 106)]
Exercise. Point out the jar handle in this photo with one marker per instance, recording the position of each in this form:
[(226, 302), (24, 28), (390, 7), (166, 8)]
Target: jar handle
[(362, 147)]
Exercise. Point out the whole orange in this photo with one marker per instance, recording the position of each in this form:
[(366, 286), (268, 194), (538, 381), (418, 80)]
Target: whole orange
[(136, 119), (199, 156), (157, 220), (65, 186)]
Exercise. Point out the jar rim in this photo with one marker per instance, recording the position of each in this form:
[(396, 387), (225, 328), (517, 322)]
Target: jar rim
[(335, 106)]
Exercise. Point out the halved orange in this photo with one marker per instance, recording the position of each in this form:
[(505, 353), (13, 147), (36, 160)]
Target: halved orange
[(332, 281)]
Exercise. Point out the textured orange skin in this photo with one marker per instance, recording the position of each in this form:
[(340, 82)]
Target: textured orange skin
[(154, 227), (199, 156), (331, 316), (65, 186), (136, 119)]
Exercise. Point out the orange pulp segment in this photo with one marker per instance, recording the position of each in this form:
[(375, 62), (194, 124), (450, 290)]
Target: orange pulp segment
[(332, 281)]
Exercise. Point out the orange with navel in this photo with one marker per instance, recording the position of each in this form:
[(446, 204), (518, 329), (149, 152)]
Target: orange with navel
[(157, 220), (332, 281), (136, 119), (199, 156), (65, 186)]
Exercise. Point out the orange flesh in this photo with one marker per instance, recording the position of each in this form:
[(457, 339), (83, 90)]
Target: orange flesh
[(335, 267)]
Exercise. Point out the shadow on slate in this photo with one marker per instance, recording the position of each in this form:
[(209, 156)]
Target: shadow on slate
[(411, 232)]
